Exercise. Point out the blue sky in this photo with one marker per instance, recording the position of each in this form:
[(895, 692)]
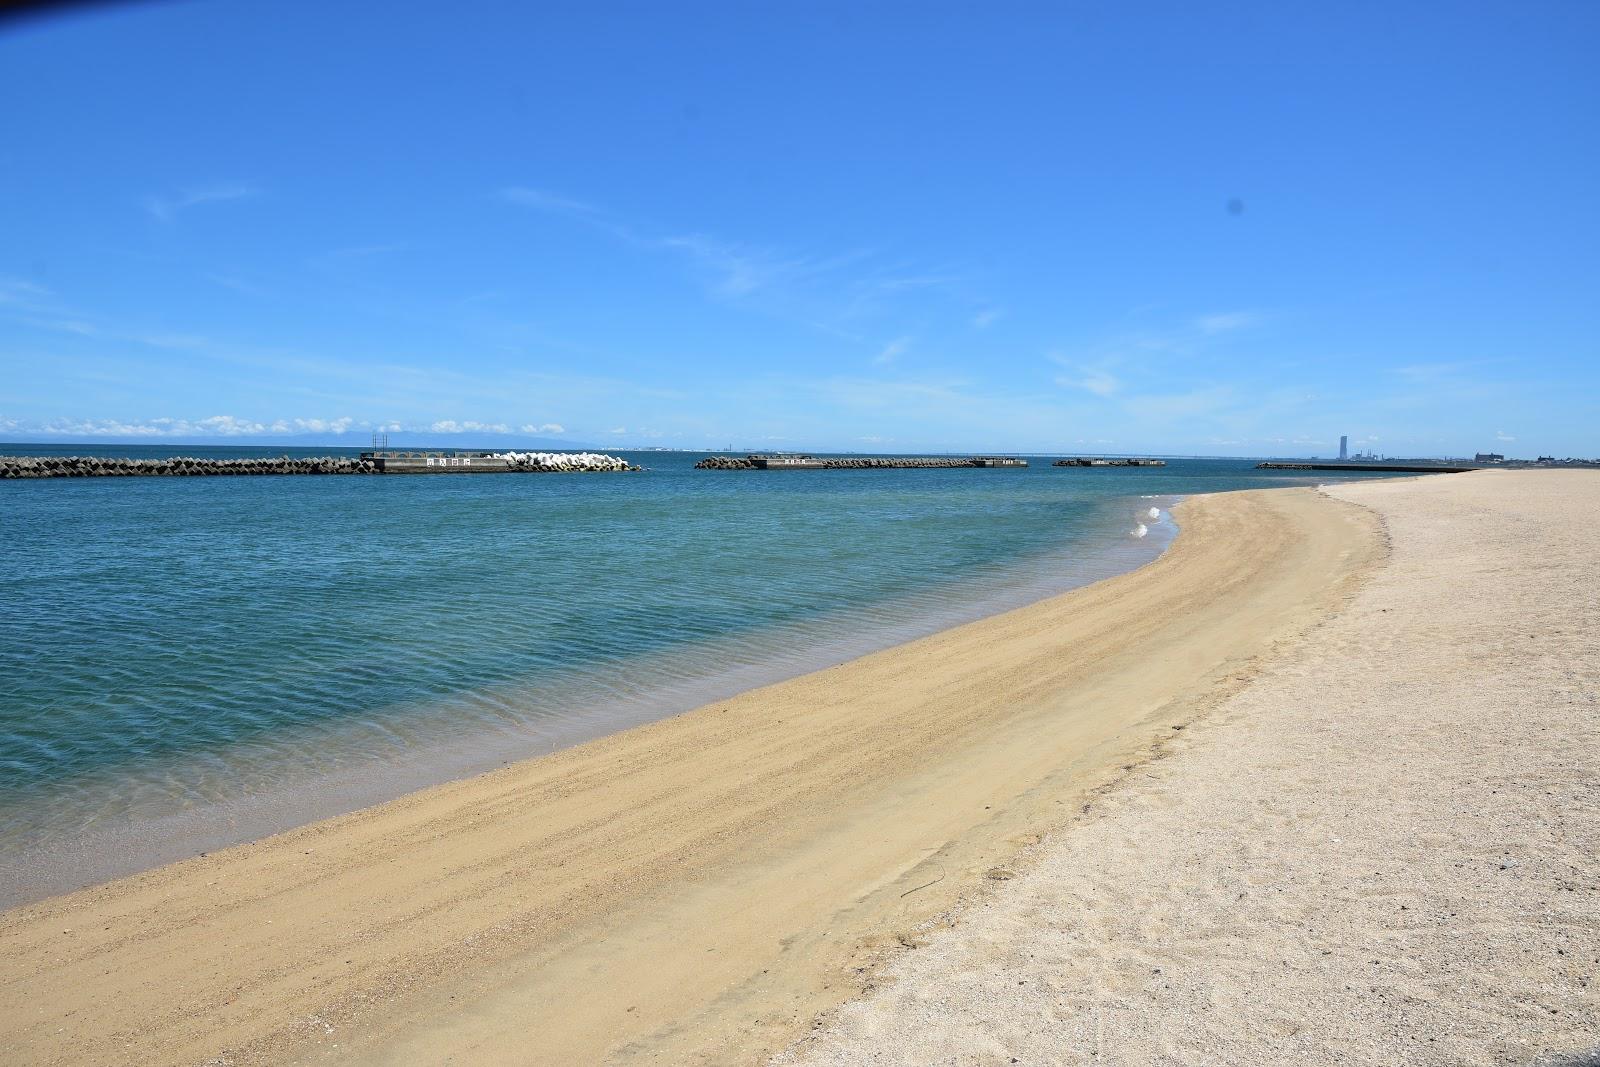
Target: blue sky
[(1217, 229)]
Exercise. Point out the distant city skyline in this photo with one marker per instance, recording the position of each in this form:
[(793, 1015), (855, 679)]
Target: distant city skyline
[(1032, 228)]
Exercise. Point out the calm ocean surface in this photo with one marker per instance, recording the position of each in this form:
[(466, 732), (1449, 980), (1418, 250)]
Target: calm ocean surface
[(189, 662)]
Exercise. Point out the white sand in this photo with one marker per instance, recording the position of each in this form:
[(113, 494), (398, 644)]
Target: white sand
[(1381, 851)]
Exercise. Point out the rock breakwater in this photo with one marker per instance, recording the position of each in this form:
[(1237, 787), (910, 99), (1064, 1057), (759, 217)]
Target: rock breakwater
[(103, 466), (725, 463), (750, 463), (193, 466), (561, 462)]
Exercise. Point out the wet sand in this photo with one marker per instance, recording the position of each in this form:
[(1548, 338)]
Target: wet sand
[(694, 890), (1382, 851)]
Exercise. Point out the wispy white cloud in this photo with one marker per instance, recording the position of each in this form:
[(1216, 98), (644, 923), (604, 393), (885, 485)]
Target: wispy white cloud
[(907, 283), (235, 426), (1208, 401), (21, 293), (238, 285), (1423, 386), (1435, 372), (545, 200), (1501, 435), (73, 326), (341, 425), (939, 411), (795, 284), (1093, 378), (187, 342), (1098, 382), (469, 426), (366, 251), (1226, 321), (212, 426), (167, 207), (819, 291), (986, 318), (84, 328), (892, 351), (734, 271)]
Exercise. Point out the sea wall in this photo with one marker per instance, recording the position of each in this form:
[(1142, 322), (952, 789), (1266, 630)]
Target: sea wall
[(746, 463)]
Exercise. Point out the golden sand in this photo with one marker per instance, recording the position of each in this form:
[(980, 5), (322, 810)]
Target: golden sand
[(697, 889)]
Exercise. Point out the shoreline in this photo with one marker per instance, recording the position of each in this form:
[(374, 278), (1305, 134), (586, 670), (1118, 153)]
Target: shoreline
[(713, 879), (1381, 850), (167, 832)]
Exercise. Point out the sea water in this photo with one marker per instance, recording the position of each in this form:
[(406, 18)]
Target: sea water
[(190, 662)]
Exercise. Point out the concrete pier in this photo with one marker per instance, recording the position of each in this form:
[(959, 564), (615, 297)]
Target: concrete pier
[(424, 462), (1104, 461)]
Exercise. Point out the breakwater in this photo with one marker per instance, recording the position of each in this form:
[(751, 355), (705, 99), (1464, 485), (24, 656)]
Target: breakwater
[(758, 462), (366, 463), (1367, 468), (495, 462), (1100, 461)]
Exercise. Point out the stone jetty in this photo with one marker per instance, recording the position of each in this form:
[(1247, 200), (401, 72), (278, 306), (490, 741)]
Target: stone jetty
[(788, 462), (1101, 461), (495, 462), (1370, 468), (191, 466), (564, 462)]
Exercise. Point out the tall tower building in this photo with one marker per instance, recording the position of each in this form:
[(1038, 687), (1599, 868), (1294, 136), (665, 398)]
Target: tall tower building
[(1344, 447)]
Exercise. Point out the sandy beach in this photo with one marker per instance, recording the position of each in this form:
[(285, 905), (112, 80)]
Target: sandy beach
[(1318, 785), (1382, 851), (799, 535), (694, 890)]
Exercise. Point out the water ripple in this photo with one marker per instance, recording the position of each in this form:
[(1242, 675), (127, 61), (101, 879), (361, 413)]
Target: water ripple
[(172, 644)]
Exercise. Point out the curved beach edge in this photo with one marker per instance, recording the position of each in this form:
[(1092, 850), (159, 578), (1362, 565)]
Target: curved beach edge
[(695, 888), (1381, 850)]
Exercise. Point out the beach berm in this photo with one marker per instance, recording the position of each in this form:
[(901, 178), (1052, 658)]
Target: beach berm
[(1380, 852), (694, 890)]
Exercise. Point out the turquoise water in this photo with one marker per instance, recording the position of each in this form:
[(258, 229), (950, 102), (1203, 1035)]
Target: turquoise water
[(186, 662)]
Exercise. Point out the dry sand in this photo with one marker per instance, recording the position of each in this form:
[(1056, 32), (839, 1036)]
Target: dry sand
[(1382, 851), (698, 889)]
